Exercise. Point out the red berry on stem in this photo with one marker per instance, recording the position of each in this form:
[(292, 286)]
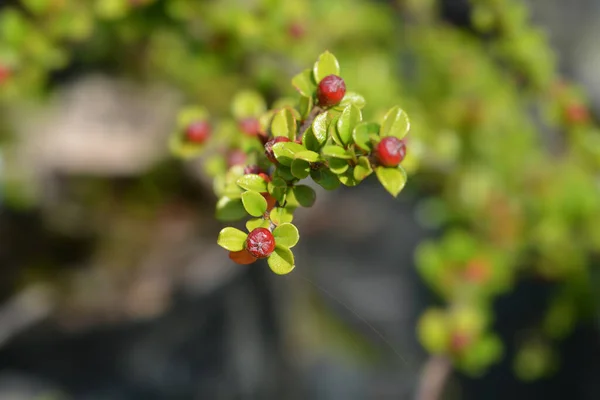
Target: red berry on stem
[(390, 151), (198, 132), (260, 243), (269, 147), (331, 91), (266, 177), (242, 257), (250, 126), (252, 169)]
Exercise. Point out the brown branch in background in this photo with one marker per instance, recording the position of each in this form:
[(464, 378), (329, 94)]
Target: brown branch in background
[(309, 120), (433, 378)]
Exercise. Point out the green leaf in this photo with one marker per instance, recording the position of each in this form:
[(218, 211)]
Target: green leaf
[(190, 115), (307, 155), (305, 195), (305, 105), (281, 215), (248, 103), (231, 239), (351, 116), (285, 152), (352, 98), (326, 65), (252, 224), (395, 123), (310, 141), (286, 235), (338, 166), (215, 165), (254, 203), (278, 188), (304, 83), (229, 209), (319, 127), (392, 179), (300, 168), (335, 151), (324, 177), (362, 135), (281, 261), (284, 124), (253, 182), (347, 178), (284, 173), (363, 169)]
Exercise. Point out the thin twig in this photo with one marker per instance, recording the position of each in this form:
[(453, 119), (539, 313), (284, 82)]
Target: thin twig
[(433, 378)]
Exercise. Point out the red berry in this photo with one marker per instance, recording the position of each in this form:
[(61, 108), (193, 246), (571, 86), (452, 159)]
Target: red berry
[(271, 201), (477, 271), (459, 341), (197, 132), (269, 147), (250, 126), (577, 114), (331, 91), (236, 157), (296, 30), (266, 177), (242, 257), (390, 151), (260, 243)]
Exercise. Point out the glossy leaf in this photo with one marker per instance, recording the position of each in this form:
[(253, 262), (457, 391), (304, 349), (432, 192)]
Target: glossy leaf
[(335, 151), (284, 173), (254, 203), (300, 168), (307, 155), (310, 141), (351, 116), (326, 65), (285, 152), (395, 123), (284, 124), (362, 135), (353, 98), (305, 105), (325, 178), (319, 128), (286, 235), (281, 261), (304, 83), (281, 215), (231, 239), (338, 166), (363, 169), (253, 182), (392, 179), (248, 103), (305, 195), (229, 209), (348, 179)]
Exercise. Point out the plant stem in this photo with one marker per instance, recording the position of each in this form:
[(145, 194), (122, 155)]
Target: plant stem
[(433, 378), (309, 120)]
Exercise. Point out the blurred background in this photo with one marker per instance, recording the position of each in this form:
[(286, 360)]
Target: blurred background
[(479, 282)]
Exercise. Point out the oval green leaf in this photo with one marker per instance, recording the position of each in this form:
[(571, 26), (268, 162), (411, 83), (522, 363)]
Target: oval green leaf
[(336, 152), (353, 98), (254, 203), (284, 124), (281, 261), (326, 65), (395, 123), (300, 168), (248, 103), (363, 169), (286, 235), (319, 127), (304, 83), (305, 195), (351, 116), (338, 166), (310, 141), (308, 155), (392, 179), (231, 239), (281, 215), (253, 182), (252, 224), (285, 152), (278, 188), (305, 105), (325, 178), (362, 135)]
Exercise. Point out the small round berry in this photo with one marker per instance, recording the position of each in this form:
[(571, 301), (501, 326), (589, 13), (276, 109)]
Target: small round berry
[(242, 257), (252, 169), (296, 30), (331, 91), (4, 74), (269, 147), (198, 132), (260, 243), (236, 157), (266, 177), (390, 151), (577, 114), (250, 126)]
